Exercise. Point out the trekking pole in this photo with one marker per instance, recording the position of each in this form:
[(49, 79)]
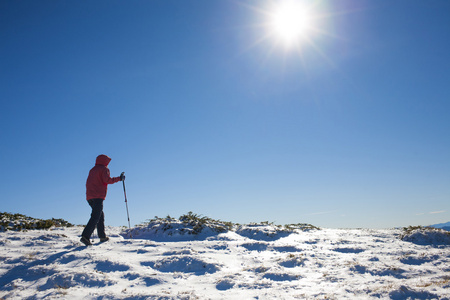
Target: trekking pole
[(126, 202)]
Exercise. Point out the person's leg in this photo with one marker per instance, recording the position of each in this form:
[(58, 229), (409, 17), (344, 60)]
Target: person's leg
[(97, 210), (101, 226)]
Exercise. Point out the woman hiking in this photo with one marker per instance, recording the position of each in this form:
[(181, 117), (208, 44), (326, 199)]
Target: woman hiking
[(96, 188)]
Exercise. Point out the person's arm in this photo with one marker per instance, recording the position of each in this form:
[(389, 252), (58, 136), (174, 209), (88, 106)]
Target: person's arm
[(108, 179)]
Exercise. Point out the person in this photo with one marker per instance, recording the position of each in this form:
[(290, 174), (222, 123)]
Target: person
[(96, 188)]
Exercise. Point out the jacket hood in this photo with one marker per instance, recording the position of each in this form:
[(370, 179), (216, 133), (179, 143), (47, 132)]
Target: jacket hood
[(103, 160)]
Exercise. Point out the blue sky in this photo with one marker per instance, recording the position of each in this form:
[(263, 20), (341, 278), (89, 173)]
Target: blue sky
[(206, 110)]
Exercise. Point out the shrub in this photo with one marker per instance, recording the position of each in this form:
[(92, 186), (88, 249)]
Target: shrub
[(19, 222), (425, 236), (194, 224)]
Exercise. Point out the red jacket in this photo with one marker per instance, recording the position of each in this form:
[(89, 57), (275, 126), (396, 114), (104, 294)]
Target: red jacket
[(99, 178)]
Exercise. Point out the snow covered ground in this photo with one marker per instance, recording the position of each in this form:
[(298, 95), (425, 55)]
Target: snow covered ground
[(259, 262)]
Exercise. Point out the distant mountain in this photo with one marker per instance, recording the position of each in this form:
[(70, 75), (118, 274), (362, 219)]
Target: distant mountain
[(445, 226)]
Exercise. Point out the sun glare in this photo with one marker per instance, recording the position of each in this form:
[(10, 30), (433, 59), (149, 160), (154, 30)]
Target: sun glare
[(291, 27), (291, 21)]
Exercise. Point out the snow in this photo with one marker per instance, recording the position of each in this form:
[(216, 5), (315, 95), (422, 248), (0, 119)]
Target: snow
[(249, 262)]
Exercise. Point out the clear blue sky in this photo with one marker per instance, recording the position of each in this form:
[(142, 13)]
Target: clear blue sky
[(207, 111)]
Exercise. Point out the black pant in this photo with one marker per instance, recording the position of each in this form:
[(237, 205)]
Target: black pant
[(97, 219)]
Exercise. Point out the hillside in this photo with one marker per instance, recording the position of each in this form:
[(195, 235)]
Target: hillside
[(200, 258)]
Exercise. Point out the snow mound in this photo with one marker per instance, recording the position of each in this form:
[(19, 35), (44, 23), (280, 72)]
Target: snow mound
[(407, 293), (183, 264), (255, 246), (224, 284), (187, 227), (426, 236), (74, 279), (270, 232), (263, 232), (293, 261), (194, 227), (281, 276)]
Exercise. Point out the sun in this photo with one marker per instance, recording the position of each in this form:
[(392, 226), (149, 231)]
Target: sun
[(291, 21), (286, 28)]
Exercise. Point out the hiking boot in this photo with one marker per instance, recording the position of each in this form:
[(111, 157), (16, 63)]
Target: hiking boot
[(85, 241), (105, 239)]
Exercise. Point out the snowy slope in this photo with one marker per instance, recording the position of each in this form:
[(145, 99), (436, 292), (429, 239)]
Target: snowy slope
[(256, 262)]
